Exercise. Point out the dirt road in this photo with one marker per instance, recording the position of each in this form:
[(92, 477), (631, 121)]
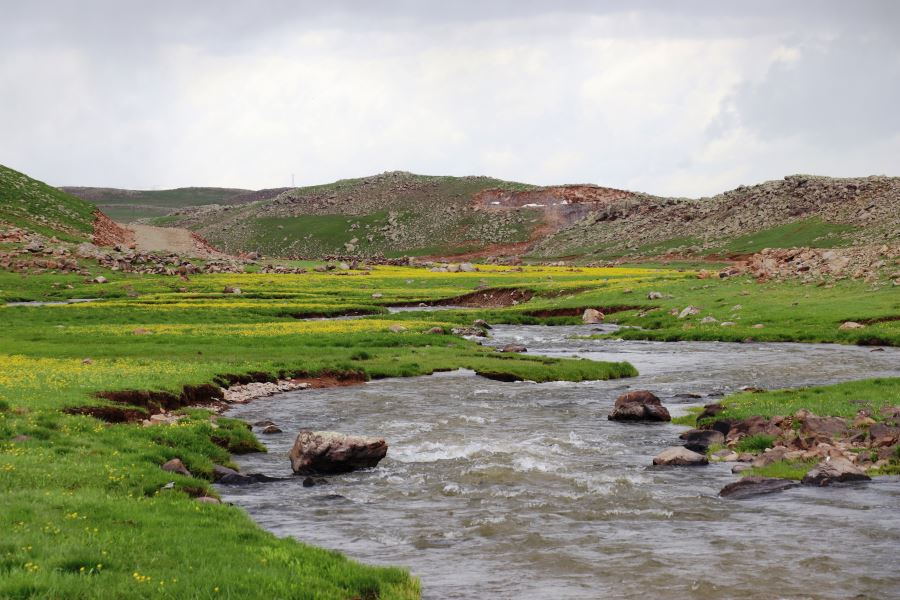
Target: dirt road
[(170, 239)]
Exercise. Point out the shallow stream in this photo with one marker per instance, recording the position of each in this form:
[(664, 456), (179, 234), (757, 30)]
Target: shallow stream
[(520, 490)]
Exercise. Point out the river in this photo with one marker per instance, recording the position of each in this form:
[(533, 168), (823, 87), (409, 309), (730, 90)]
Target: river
[(520, 490)]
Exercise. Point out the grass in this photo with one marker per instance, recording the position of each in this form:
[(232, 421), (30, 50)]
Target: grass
[(755, 443), (33, 205), (838, 400), (782, 469), (812, 232), (86, 511)]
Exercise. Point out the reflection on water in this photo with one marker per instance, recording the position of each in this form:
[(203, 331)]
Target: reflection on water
[(519, 490)]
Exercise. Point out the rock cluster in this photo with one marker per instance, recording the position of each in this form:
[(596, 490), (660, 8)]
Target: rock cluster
[(243, 393), (815, 264)]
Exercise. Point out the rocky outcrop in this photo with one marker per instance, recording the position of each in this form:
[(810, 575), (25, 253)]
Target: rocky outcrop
[(748, 487), (639, 405), (329, 452), (836, 470), (680, 456), (240, 394)]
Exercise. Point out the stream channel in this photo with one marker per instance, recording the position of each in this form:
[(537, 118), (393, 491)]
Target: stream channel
[(520, 490)]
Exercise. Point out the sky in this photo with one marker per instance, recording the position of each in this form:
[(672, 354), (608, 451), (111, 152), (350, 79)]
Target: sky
[(684, 98)]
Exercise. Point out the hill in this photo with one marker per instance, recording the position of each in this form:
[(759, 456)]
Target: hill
[(400, 213), (130, 205), (30, 204)]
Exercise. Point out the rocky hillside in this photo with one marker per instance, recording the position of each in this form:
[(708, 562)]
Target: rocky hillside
[(799, 210), (392, 214), (34, 206), (401, 213), (130, 205)]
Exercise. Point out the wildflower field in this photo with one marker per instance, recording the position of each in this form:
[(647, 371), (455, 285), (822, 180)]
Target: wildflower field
[(85, 511)]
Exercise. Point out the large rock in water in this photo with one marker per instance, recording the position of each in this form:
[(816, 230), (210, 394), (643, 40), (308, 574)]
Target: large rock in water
[(756, 486), (680, 456), (329, 452), (639, 405), (834, 471)]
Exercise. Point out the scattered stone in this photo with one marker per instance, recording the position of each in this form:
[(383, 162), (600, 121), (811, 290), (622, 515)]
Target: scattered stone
[(709, 320), (481, 323), (689, 311), (269, 429), (679, 456), (699, 440), (640, 405), (329, 452), (834, 470), (436, 330), (99, 279), (848, 325), (740, 468), (377, 295), (241, 394), (176, 466), (208, 500), (654, 296), (514, 348), (592, 316), (396, 328), (468, 268), (748, 487)]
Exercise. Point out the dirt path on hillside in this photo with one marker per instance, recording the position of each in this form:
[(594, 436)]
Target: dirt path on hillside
[(171, 239)]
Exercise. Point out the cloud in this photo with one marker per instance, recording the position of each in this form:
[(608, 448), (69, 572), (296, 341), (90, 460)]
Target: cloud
[(683, 99)]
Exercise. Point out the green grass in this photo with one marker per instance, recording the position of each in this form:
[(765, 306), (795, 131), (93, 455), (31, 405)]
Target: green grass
[(782, 470), (838, 400), (33, 205), (85, 512), (812, 232), (755, 443)]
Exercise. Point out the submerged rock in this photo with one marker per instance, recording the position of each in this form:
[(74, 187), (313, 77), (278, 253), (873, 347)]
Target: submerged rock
[(679, 456), (835, 470), (514, 348), (756, 486), (639, 405), (329, 452)]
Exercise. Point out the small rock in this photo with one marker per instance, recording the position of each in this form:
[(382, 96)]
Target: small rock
[(751, 486), (436, 330), (848, 325), (833, 471), (481, 323), (699, 440), (176, 466), (654, 296), (272, 429), (514, 348), (208, 500), (377, 295), (740, 468), (689, 311), (709, 320), (100, 279), (679, 456), (592, 316), (231, 290)]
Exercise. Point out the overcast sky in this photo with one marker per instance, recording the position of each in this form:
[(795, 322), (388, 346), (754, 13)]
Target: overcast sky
[(677, 98)]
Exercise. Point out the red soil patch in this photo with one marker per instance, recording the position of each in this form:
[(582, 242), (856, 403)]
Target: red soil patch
[(109, 233)]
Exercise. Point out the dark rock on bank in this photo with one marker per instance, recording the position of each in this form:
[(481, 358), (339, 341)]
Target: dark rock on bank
[(639, 405), (176, 466), (699, 440)]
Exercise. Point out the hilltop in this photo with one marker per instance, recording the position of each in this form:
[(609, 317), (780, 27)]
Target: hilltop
[(399, 213), (130, 205)]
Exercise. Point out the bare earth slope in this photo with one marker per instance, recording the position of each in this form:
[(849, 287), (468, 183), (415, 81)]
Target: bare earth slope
[(172, 240)]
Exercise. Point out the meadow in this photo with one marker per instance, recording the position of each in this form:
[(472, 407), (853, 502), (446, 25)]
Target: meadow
[(87, 512)]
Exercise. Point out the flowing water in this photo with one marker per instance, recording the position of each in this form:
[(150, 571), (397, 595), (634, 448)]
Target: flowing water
[(519, 490)]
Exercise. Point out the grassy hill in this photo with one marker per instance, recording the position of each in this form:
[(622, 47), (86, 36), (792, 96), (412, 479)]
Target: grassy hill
[(393, 213), (131, 205), (36, 206)]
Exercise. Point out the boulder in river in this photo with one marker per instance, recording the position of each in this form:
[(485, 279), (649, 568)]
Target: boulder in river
[(639, 405), (835, 470), (748, 487), (680, 456), (329, 452)]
